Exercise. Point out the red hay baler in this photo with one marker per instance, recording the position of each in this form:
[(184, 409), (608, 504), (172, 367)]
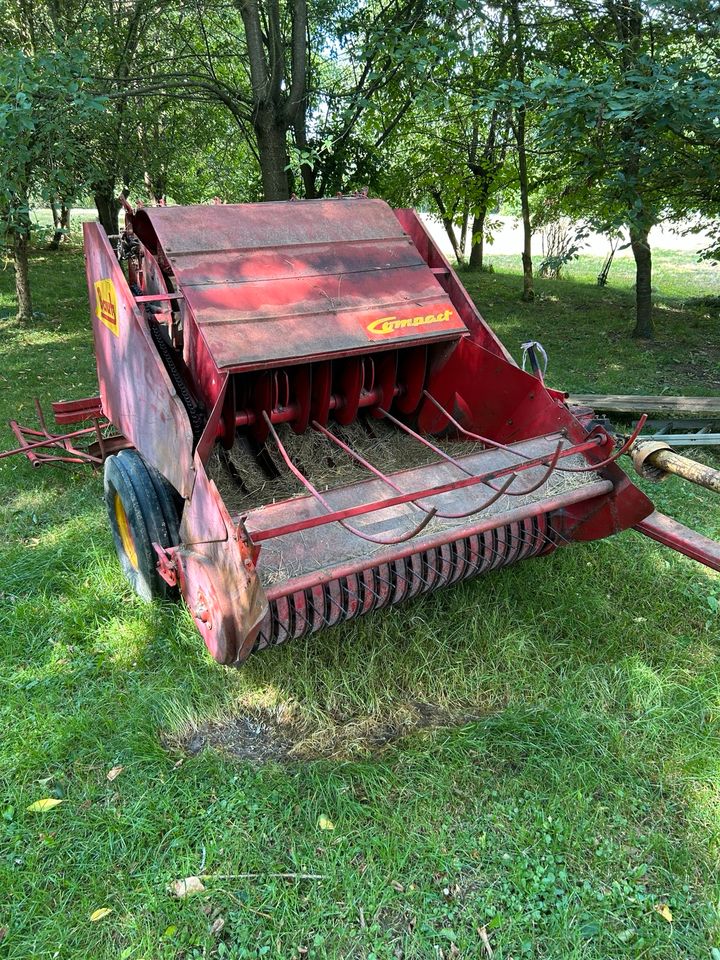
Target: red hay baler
[(312, 421)]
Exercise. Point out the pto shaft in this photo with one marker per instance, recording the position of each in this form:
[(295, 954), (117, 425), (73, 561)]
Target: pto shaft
[(655, 460)]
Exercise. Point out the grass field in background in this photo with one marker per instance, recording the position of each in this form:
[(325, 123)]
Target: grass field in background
[(536, 752)]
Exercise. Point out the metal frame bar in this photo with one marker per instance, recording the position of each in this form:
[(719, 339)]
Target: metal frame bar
[(28, 446), (678, 537)]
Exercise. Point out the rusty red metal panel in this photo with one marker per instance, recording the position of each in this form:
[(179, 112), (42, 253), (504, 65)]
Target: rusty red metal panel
[(75, 411), (136, 392), (292, 282), (294, 320), (678, 537), (216, 573), (211, 229)]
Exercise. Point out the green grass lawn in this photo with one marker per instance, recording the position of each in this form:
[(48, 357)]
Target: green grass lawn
[(536, 752)]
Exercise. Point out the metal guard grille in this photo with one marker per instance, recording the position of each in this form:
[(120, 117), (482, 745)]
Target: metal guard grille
[(307, 611)]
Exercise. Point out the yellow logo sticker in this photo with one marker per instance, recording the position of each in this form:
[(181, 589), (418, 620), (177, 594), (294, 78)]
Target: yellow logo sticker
[(388, 325), (106, 306)]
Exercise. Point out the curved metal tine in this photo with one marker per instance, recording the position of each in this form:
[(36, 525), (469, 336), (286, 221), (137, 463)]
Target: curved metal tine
[(545, 477), (446, 456), (483, 506), (523, 456), (618, 453), (418, 436), (416, 503), (346, 448), (384, 541)]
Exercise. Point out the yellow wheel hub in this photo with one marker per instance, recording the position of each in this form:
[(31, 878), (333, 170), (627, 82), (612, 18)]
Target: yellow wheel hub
[(126, 537)]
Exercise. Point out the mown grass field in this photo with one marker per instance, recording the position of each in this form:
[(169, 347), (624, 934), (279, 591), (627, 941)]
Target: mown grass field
[(536, 753)]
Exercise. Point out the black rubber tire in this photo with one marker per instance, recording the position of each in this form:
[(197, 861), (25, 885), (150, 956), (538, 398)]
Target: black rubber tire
[(140, 499)]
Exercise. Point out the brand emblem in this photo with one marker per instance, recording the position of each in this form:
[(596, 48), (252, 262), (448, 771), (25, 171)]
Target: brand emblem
[(384, 326), (106, 306)]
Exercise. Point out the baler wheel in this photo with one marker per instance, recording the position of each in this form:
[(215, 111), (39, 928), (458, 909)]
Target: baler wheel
[(142, 507)]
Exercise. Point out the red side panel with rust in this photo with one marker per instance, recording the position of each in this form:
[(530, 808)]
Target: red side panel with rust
[(285, 283), (137, 394)]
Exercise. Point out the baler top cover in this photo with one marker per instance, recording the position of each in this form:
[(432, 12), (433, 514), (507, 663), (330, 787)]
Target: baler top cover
[(273, 283)]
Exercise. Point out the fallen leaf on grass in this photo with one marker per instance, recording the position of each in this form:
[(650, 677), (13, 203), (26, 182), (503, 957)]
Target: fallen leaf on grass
[(99, 914), (115, 773), (186, 887), (486, 942), (397, 886), (217, 926), (3, 933), (665, 912), (47, 803), (325, 823)]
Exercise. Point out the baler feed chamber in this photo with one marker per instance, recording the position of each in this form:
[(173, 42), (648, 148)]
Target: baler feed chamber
[(367, 437), (327, 559)]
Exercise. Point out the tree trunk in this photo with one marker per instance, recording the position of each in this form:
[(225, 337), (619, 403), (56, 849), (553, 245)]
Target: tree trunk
[(277, 98), (464, 225), (448, 224), (452, 237), (644, 326), (61, 222), (155, 186), (22, 277), (477, 241), (528, 293), (107, 208), (272, 148)]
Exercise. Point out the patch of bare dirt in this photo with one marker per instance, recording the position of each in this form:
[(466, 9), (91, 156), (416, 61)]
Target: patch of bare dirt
[(260, 738), (256, 739)]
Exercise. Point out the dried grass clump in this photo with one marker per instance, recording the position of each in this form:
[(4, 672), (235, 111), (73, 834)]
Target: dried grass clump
[(248, 479)]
